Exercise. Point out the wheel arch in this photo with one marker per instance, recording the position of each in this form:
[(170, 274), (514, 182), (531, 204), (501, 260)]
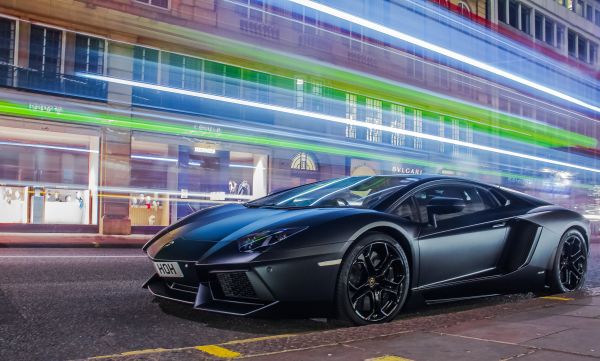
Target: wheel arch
[(399, 235)]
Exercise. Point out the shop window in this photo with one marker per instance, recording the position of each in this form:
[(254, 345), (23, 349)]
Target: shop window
[(89, 54), (48, 177), (45, 46), (164, 4)]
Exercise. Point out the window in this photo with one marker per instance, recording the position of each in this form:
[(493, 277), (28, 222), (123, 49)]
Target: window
[(593, 53), (476, 200), (374, 115), (158, 3), (525, 19), (406, 211), (418, 127), (560, 36), (589, 12), (513, 13), (502, 11), (572, 43), (351, 114), (7, 47), (549, 32), (398, 121), (580, 7), (464, 8), (581, 48), (597, 17), (45, 49), (7, 41), (89, 54), (184, 72), (145, 65), (539, 26), (254, 10)]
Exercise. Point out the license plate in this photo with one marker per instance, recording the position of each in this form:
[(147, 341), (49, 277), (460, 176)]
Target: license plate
[(168, 269)]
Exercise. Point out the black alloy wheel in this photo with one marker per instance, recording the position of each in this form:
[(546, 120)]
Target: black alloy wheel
[(570, 264), (374, 280)]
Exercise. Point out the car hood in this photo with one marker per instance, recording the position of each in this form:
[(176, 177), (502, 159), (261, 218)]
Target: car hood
[(217, 229)]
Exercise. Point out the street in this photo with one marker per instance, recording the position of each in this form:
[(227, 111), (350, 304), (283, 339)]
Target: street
[(59, 304)]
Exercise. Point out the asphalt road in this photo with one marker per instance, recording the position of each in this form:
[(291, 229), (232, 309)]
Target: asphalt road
[(60, 304)]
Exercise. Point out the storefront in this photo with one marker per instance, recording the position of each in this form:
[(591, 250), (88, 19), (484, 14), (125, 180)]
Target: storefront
[(48, 176)]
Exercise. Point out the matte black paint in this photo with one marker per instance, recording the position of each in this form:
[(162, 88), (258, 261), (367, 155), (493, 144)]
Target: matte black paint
[(507, 249)]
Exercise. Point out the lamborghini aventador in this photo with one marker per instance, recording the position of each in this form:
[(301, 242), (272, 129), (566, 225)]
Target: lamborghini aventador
[(358, 247)]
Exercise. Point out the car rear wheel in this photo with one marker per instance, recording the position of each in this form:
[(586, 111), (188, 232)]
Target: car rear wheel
[(570, 263), (374, 280)]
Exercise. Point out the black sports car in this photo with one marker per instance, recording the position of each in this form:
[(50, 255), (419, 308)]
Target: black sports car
[(359, 246)]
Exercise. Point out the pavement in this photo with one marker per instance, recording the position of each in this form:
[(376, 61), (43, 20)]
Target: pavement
[(86, 303)]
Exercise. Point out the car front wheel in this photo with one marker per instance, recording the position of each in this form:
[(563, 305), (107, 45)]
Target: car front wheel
[(374, 280)]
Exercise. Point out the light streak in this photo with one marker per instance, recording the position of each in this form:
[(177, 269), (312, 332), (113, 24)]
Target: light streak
[(147, 157), (47, 146), (441, 50), (335, 119)]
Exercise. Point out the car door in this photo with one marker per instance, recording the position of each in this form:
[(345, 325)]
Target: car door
[(463, 245)]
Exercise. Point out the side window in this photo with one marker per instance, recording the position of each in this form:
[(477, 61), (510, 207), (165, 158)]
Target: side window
[(406, 211), (476, 200)]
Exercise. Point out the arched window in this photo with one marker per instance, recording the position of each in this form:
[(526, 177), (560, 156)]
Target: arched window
[(464, 8)]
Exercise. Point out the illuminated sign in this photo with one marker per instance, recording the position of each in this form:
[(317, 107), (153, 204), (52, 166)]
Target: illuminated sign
[(406, 170)]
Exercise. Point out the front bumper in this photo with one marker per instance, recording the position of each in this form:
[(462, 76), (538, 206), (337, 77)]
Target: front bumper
[(249, 288)]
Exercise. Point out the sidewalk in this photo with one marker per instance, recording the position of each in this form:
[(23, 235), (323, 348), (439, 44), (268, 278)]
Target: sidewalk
[(72, 240), (560, 327), (563, 329)]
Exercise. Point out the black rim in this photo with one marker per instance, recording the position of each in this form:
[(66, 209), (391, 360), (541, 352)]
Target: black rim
[(572, 263), (376, 282)]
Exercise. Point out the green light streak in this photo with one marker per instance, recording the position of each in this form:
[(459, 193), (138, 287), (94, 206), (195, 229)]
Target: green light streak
[(14, 109), (481, 119)]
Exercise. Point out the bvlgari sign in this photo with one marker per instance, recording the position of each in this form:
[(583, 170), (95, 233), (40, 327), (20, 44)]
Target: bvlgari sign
[(398, 169)]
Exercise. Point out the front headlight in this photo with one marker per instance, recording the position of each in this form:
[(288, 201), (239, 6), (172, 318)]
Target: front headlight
[(263, 239)]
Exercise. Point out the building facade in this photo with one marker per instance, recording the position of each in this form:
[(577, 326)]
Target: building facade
[(122, 116)]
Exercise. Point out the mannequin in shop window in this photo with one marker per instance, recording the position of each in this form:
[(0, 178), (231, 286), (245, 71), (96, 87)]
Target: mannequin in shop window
[(244, 188)]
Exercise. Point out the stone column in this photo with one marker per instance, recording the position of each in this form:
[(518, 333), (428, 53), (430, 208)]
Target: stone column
[(115, 157), (115, 175)]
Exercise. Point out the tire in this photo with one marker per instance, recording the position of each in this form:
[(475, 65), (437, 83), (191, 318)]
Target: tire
[(570, 263), (372, 289)]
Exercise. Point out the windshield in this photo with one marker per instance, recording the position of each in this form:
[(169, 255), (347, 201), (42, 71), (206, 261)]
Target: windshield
[(363, 192)]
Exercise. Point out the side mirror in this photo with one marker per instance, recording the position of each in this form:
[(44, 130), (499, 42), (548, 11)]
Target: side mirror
[(443, 205)]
